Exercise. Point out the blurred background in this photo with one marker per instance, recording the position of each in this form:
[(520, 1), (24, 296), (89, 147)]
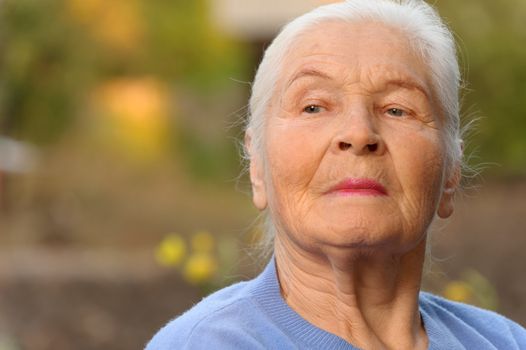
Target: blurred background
[(121, 199)]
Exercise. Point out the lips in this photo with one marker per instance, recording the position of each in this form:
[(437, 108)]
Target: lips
[(361, 187)]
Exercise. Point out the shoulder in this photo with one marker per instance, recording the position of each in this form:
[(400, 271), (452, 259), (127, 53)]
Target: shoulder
[(471, 324), (222, 315)]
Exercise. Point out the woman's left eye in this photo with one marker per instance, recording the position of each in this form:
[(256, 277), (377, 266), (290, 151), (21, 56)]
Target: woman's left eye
[(312, 109), (396, 112)]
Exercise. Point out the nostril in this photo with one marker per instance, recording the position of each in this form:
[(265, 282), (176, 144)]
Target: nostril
[(372, 147), (344, 146)]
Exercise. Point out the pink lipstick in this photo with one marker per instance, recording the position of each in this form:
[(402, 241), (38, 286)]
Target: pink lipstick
[(360, 187)]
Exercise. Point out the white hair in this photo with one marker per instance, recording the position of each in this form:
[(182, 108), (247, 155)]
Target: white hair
[(418, 21)]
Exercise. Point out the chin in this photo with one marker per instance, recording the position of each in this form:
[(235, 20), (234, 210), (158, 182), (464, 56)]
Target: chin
[(380, 237)]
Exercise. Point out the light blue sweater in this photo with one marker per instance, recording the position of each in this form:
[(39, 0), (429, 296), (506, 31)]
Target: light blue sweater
[(253, 315)]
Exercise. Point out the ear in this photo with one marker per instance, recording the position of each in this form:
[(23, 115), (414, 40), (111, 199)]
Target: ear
[(259, 194), (446, 204)]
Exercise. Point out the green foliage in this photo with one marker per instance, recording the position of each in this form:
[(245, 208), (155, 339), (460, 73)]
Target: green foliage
[(493, 37), (56, 51), (38, 73), (187, 46)]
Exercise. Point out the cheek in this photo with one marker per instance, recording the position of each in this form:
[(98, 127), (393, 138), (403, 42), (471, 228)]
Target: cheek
[(294, 153), (418, 163)]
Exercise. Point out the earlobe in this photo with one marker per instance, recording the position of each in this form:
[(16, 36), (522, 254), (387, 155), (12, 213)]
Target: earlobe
[(259, 195), (446, 205)]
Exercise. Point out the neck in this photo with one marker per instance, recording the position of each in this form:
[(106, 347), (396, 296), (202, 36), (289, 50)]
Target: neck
[(370, 300)]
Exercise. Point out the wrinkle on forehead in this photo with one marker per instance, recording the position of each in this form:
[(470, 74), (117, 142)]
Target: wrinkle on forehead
[(374, 79), (340, 43)]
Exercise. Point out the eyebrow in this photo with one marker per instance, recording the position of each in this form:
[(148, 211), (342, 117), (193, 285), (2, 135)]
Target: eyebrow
[(305, 73), (409, 84), (406, 82)]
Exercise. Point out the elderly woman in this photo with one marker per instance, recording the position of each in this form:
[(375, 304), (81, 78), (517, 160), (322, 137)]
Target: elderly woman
[(354, 147)]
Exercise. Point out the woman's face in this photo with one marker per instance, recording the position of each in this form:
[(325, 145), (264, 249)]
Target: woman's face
[(354, 148)]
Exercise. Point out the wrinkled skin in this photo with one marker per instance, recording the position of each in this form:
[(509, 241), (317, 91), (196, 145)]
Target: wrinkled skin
[(354, 101), (354, 78)]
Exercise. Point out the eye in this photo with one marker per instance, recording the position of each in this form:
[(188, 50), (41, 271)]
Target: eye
[(312, 109), (396, 112)]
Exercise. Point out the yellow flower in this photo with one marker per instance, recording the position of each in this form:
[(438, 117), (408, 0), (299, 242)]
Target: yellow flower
[(458, 291), (203, 242), (200, 268), (171, 251)]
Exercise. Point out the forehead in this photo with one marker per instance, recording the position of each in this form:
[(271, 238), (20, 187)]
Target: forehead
[(365, 52)]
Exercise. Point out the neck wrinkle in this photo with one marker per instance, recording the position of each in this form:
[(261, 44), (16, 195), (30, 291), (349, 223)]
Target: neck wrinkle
[(370, 301)]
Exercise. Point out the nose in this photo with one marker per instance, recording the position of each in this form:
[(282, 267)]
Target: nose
[(357, 134)]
